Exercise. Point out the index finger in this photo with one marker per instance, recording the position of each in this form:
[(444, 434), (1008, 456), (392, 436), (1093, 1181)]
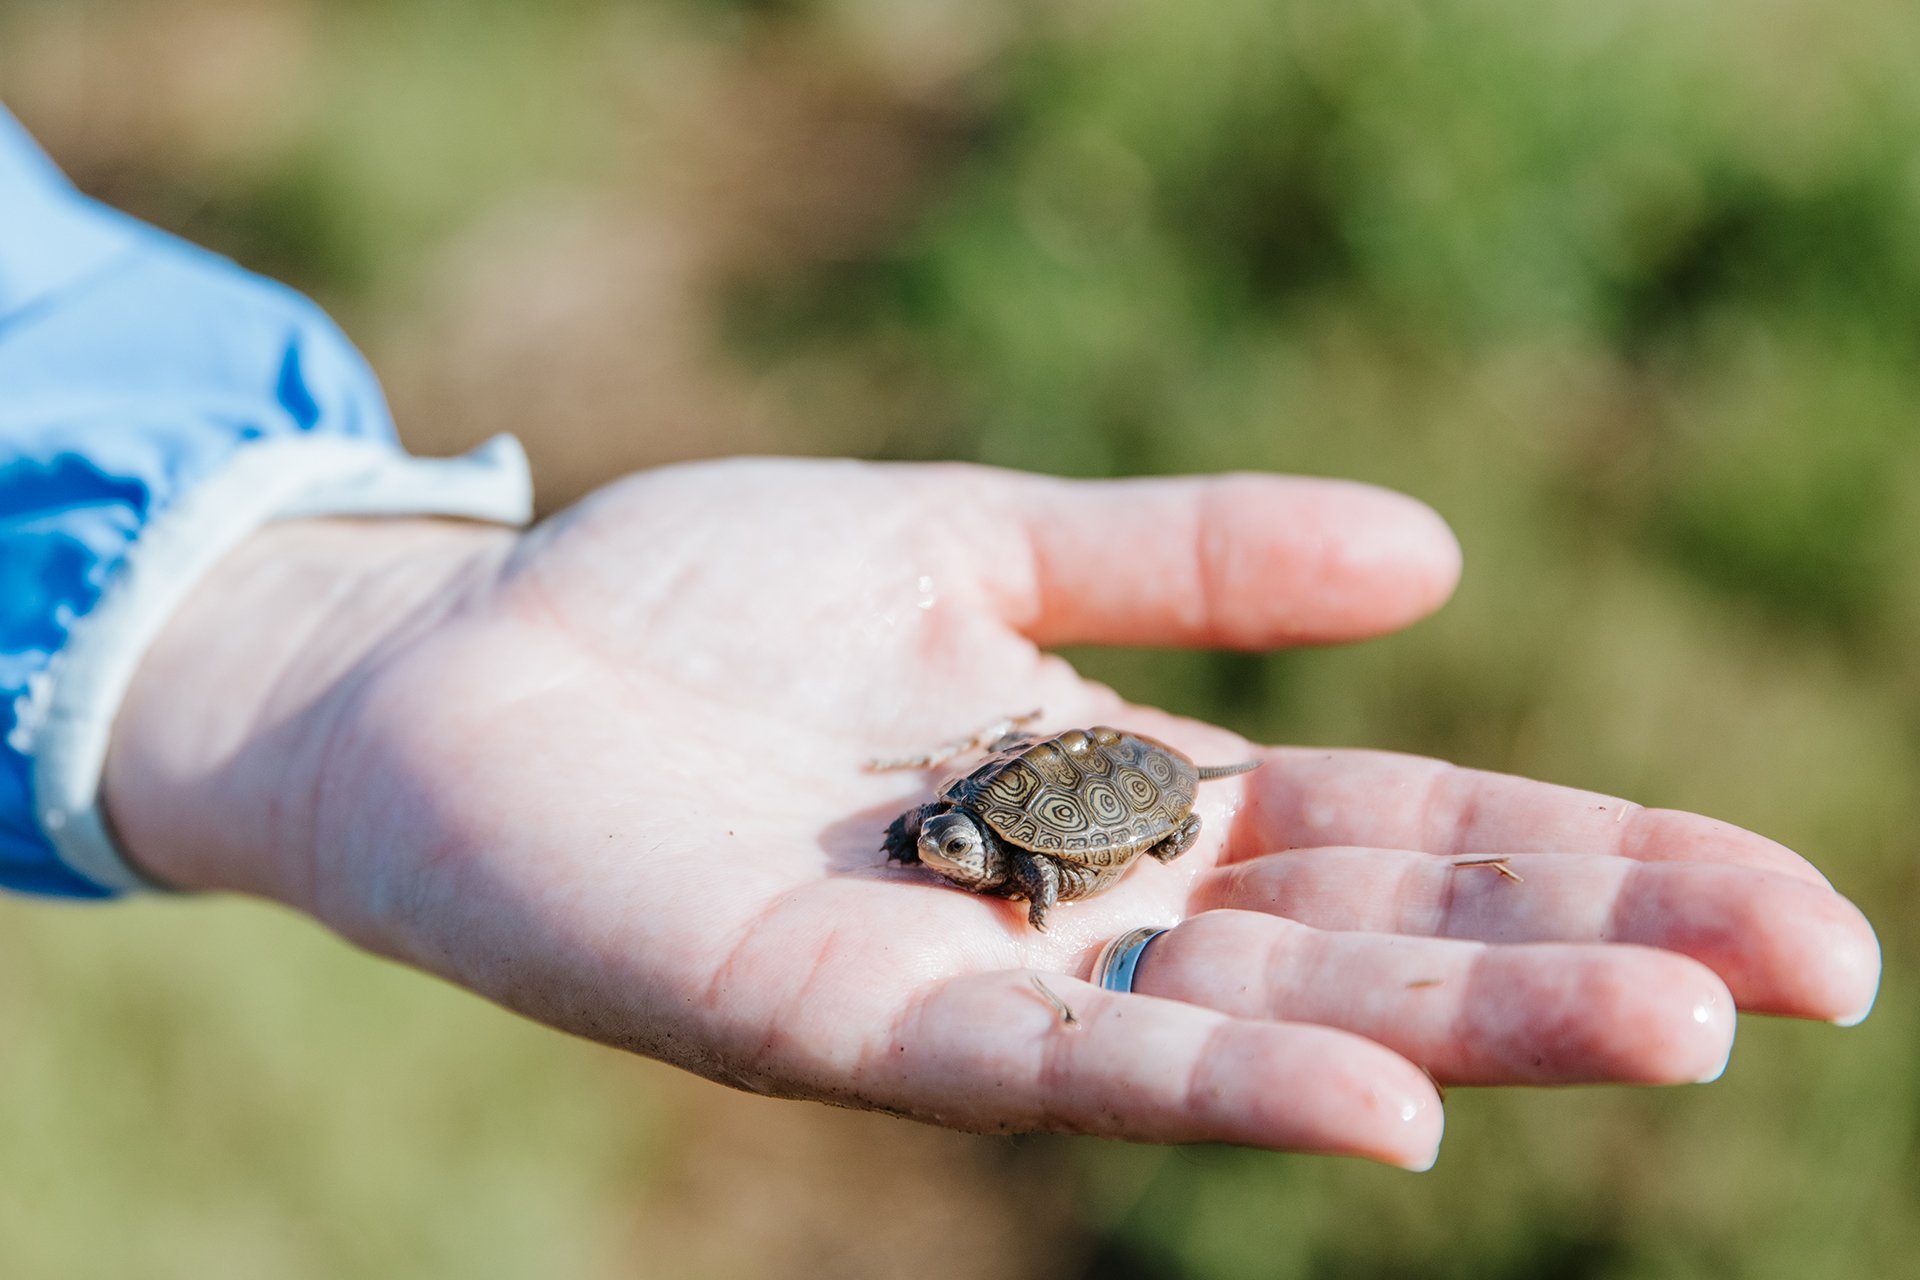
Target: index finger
[(1240, 561)]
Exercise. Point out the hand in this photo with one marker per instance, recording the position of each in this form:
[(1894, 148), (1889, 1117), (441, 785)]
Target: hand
[(609, 774)]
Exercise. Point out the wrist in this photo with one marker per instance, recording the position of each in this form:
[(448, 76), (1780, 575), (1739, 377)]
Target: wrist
[(216, 767)]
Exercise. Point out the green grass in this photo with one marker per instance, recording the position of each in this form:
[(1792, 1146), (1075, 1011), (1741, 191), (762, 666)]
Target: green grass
[(214, 1089)]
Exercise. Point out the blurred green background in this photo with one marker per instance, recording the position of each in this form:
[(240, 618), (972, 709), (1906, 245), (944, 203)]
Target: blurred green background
[(1630, 292)]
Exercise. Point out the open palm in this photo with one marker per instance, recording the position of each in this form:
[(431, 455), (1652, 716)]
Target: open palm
[(619, 787)]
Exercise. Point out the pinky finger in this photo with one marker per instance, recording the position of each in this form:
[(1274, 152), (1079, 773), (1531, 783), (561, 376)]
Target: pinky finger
[(993, 1052)]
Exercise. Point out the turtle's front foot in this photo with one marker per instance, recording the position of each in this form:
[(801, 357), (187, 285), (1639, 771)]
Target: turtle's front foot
[(1039, 880), (902, 842)]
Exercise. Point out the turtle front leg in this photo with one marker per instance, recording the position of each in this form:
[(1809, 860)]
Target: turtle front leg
[(992, 737), (1180, 841), (1039, 882)]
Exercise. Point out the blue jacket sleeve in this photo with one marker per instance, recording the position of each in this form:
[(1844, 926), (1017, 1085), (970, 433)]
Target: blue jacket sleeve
[(132, 365)]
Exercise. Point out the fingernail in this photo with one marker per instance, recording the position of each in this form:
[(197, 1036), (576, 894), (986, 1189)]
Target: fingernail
[(1412, 1111), (1705, 1014), (1421, 1166), (1855, 1019), (1863, 958)]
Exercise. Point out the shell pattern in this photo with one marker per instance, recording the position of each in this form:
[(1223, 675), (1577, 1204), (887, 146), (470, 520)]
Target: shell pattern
[(1096, 798)]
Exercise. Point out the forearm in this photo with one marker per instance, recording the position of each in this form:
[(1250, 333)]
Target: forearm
[(218, 763)]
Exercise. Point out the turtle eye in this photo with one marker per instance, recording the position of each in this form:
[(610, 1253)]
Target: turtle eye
[(956, 845)]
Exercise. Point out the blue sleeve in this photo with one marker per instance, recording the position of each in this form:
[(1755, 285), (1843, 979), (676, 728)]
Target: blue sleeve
[(132, 365)]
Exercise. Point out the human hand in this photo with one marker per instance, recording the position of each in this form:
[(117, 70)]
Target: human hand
[(609, 774)]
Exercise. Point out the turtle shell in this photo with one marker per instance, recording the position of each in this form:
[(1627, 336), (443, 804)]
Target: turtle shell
[(1095, 797)]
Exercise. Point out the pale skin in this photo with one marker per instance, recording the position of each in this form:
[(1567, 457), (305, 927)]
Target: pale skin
[(609, 774)]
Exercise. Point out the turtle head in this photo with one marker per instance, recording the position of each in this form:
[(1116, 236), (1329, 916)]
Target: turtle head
[(952, 844)]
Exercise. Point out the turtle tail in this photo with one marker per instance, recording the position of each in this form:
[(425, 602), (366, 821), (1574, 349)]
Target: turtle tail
[(1212, 771)]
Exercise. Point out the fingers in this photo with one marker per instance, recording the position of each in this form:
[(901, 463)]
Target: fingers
[(1237, 561), (1781, 944), (1377, 799), (992, 1052), (1468, 1013)]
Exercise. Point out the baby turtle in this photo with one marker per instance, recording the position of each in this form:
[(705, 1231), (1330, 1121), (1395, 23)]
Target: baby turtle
[(1050, 819)]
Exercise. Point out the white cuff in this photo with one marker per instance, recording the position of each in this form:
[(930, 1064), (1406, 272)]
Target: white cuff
[(271, 480)]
